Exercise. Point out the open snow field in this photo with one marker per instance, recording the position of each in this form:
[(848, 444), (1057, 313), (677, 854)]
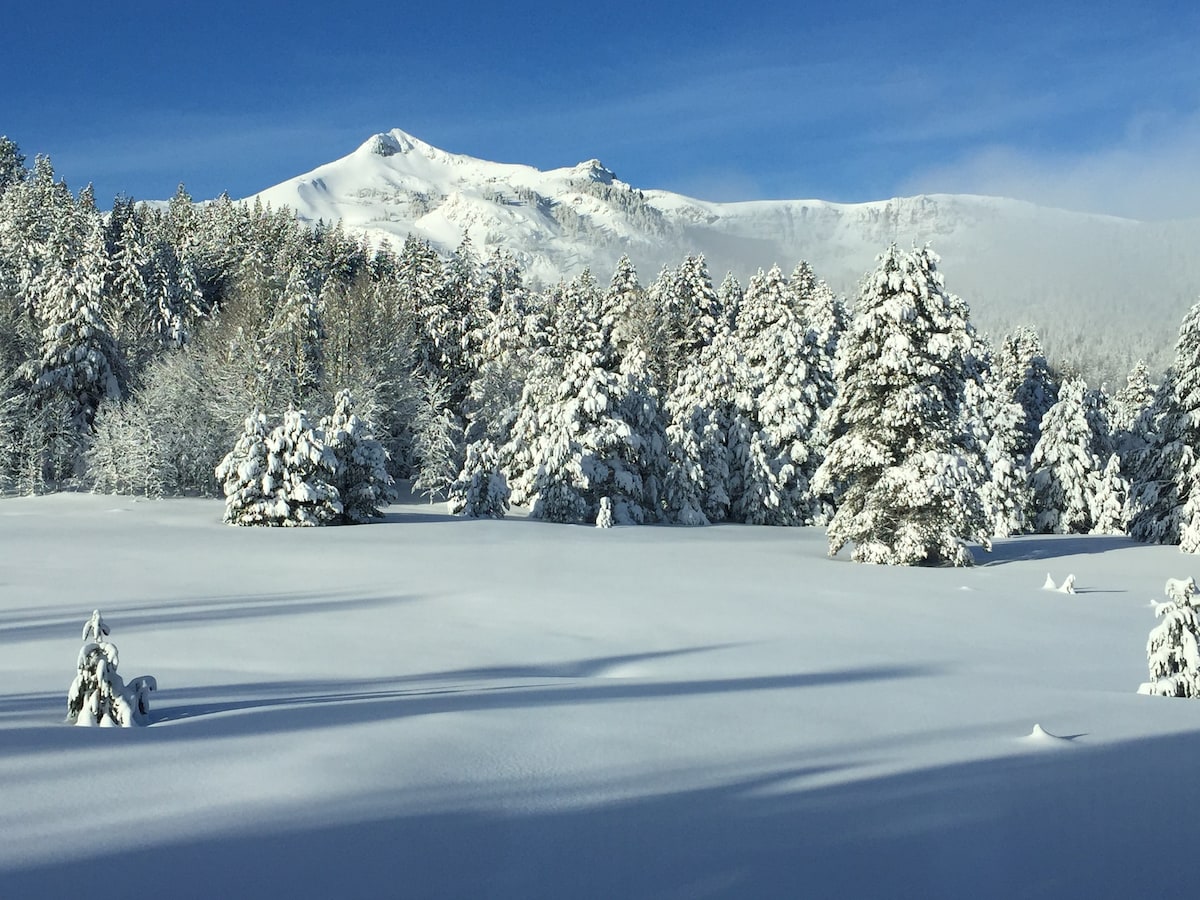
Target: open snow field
[(431, 707)]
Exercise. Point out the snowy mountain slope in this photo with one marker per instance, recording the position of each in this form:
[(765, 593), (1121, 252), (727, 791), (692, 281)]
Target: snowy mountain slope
[(1098, 287)]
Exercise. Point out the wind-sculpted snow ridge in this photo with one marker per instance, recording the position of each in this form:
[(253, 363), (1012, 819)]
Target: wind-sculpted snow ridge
[(1091, 284)]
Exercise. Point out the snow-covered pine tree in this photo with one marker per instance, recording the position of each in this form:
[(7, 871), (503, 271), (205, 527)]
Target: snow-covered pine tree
[(1111, 499), (701, 300), (506, 344), (699, 411), (305, 472), (995, 423), (686, 313), (633, 320), (283, 478), (1173, 649), (1026, 377), (1131, 401), (1067, 462), (785, 378), (729, 294), (362, 480), (78, 354), (12, 163), (587, 427), (1165, 496), (437, 441), (910, 494), (445, 352), (247, 478), (822, 311), (480, 491), (296, 336), (98, 695)]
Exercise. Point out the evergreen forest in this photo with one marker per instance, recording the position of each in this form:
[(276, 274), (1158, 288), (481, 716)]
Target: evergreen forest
[(224, 349)]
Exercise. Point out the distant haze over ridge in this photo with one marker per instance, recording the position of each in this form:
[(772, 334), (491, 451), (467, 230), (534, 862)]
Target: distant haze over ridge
[(1103, 291)]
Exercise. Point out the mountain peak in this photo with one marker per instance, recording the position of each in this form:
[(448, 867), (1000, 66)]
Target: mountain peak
[(390, 143), (594, 170), (1011, 258)]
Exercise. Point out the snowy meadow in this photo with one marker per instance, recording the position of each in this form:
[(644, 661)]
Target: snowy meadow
[(444, 707)]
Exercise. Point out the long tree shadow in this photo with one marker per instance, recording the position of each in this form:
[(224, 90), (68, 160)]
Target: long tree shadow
[(286, 707), (445, 692), (1081, 822), (65, 621)]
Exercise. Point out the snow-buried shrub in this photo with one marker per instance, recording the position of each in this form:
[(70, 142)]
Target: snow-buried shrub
[(98, 695), (1173, 649)]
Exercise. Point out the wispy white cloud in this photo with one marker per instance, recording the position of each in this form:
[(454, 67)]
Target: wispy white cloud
[(1150, 172)]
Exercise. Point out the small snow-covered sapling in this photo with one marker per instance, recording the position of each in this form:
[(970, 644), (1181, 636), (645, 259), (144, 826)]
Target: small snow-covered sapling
[(1068, 585), (98, 695)]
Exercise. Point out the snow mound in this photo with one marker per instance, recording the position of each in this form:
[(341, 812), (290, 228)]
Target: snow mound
[(1042, 737)]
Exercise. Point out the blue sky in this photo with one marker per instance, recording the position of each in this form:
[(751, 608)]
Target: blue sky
[(1087, 105)]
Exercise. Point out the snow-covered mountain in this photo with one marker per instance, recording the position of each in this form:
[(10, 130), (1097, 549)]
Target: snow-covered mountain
[(1101, 289)]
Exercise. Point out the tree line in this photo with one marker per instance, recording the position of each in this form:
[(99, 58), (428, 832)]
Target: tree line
[(185, 348)]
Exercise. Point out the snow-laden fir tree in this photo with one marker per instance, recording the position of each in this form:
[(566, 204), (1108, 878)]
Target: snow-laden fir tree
[(247, 480), (1026, 378), (572, 444), (1131, 401), (506, 345), (98, 695), (588, 428), (1067, 462), (633, 322), (362, 480), (480, 491), (1111, 499), (1165, 496), (996, 423), (729, 295), (1173, 648), (686, 314), (305, 472), (437, 441), (900, 459), (296, 335), (822, 311), (284, 478), (1131, 417), (77, 351), (699, 412), (12, 163), (776, 440)]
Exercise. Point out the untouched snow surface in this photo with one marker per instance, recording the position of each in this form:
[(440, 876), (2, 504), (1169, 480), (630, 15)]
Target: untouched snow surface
[(431, 707)]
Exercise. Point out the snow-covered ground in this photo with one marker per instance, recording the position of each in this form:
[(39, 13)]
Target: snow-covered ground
[(431, 707)]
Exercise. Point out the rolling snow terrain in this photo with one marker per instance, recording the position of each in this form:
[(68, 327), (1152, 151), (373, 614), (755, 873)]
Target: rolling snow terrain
[(435, 707), (1101, 290)]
